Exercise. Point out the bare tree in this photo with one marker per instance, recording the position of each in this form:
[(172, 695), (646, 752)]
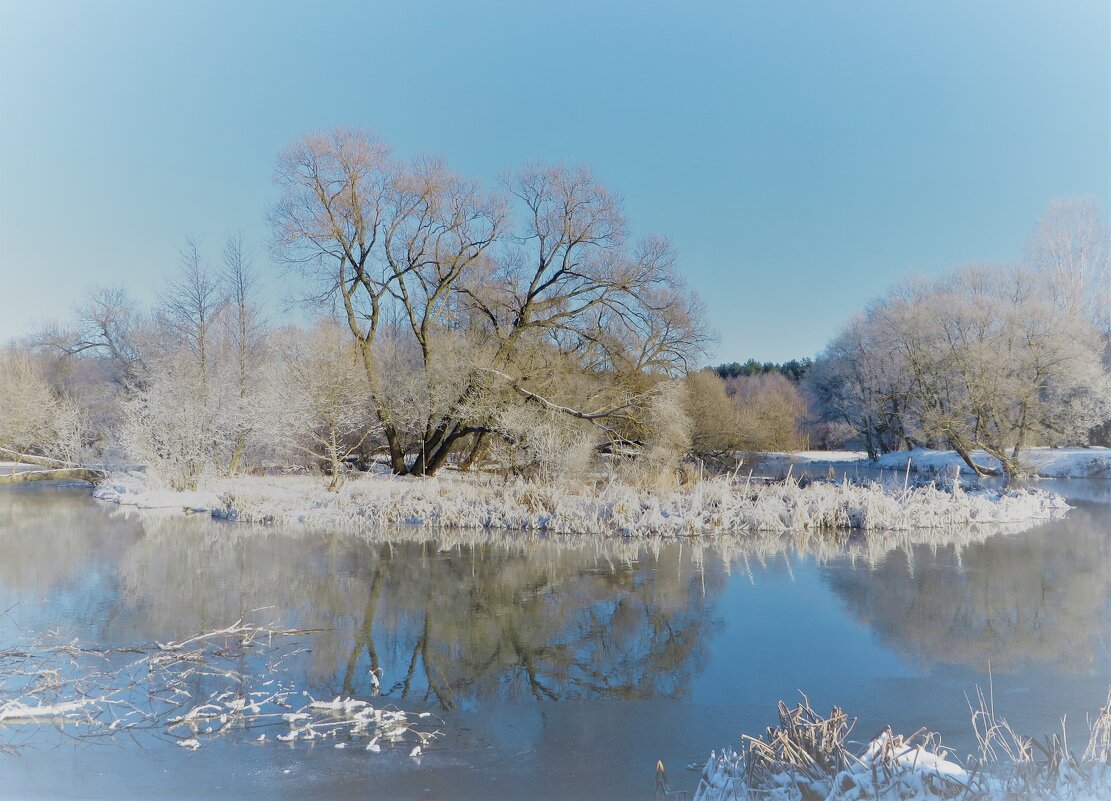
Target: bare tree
[(327, 396), (1072, 249), (769, 410), (245, 332), (420, 264), (335, 191), (744, 414), (107, 323), (190, 308)]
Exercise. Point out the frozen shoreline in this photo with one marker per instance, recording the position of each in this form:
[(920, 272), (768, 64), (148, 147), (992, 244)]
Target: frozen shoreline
[(1093, 462), (718, 505)]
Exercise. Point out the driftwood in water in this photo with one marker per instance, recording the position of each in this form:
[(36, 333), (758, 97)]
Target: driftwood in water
[(55, 469), (61, 474), (41, 461)]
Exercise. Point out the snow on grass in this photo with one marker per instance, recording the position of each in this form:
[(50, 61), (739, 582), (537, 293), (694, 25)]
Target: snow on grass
[(802, 457), (1093, 462), (718, 505), (810, 756)]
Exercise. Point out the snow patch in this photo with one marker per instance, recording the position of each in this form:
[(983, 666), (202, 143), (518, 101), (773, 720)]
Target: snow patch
[(1093, 462)]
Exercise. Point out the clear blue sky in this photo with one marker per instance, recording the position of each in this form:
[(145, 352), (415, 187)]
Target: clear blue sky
[(801, 155)]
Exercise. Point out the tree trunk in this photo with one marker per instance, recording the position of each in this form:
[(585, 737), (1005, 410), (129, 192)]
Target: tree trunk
[(397, 455), (478, 449), (868, 443), (41, 461), (964, 452), (237, 454)]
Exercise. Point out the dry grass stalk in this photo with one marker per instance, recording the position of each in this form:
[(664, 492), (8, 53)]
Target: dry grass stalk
[(808, 757)]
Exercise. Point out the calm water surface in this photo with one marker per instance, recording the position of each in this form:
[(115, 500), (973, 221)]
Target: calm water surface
[(560, 669)]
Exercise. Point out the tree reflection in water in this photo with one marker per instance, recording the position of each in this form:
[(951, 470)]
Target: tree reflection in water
[(1034, 598), (456, 618), (449, 622)]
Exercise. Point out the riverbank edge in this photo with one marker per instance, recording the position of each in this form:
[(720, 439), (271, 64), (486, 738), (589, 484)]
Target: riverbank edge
[(717, 505)]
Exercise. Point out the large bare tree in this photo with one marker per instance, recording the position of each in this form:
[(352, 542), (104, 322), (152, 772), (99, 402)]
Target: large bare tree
[(436, 285)]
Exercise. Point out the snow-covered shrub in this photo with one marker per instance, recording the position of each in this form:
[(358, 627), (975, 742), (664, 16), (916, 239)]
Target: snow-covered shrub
[(326, 400), (542, 446), (666, 440), (35, 418), (170, 426)]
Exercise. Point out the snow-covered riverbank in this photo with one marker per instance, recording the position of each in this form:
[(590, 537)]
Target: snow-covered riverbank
[(1094, 462), (716, 505)]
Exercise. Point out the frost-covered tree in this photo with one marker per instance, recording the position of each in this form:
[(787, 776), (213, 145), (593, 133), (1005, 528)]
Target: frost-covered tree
[(245, 340), (1072, 250), (195, 406), (758, 412), (35, 418), (992, 358), (980, 359), (168, 424), (107, 325), (860, 384), (190, 307), (326, 398), (479, 295)]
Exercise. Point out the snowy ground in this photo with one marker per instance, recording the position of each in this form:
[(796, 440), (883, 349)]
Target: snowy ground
[(887, 768), (803, 457), (717, 505), (1092, 462)]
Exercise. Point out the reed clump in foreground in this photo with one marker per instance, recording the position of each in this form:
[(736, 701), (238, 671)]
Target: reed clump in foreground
[(808, 756)]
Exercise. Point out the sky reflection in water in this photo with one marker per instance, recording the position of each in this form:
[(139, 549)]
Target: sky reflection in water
[(561, 669)]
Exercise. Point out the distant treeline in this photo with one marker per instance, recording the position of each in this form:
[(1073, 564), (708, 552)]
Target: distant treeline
[(794, 370)]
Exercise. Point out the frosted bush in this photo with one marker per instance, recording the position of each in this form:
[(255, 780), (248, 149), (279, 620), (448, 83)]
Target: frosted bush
[(34, 417), (170, 427), (544, 446)]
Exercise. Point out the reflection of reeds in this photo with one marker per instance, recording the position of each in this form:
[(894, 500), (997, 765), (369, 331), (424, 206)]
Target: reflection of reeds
[(758, 547), (809, 756)]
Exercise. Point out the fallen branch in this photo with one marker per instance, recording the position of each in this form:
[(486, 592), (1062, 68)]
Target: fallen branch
[(229, 682), (61, 474), (41, 461)]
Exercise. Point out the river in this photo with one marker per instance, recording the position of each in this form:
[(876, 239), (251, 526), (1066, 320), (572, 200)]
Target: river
[(553, 669)]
